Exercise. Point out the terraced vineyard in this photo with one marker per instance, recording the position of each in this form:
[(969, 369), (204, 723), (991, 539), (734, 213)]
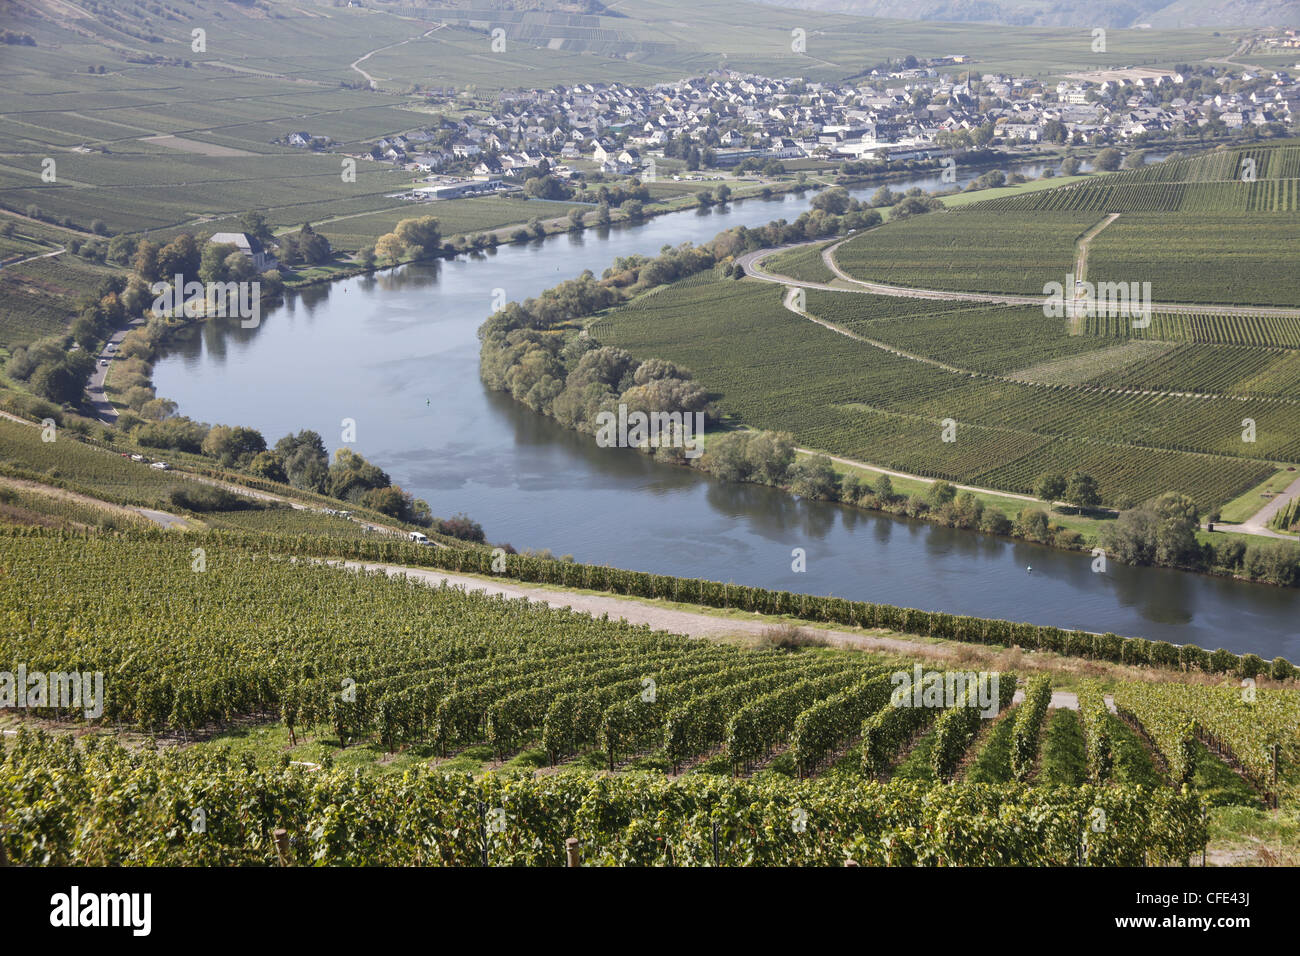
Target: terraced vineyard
[(367, 661)]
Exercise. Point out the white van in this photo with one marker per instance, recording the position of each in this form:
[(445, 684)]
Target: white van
[(419, 537)]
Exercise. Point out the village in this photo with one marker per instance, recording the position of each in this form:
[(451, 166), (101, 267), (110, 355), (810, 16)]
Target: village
[(918, 110)]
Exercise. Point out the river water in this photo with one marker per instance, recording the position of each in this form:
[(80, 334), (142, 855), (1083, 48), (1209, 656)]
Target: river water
[(397, 352)]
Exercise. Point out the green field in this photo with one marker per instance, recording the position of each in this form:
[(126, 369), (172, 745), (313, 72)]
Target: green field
[(860, 401), (969, 250), (805, 264), (37, 298), (1202, 258)]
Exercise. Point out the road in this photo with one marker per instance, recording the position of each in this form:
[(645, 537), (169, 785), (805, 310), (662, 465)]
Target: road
[(1258, 522), (40, 255), (370, 80), (750, 261), (104, 409), (162, 519)]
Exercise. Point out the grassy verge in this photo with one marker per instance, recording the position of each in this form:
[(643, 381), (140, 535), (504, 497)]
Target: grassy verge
[(1246, 504)]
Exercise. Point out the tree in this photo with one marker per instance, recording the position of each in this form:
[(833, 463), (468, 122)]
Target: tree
[(1081, 491), (968, 510), (834, 201), (1177, 521), (421, 236), (1108, 160), (315, 248), (884, 488), (120, 249), (254, 223), (239, 268), (941, 492), (351, 476), (460, 526), (212, 262), (722, 193), (367, 257), (884, 196), (391, 501), (233, 445), (85, 331), (814, 477), (269, 466), (181, 256), (390, 247), (1050, 487), (1032, 524), (1135, 159), (1069, 166), (58, 382), (145, 261)]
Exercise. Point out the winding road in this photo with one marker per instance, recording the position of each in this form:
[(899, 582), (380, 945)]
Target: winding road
[(751, 262)]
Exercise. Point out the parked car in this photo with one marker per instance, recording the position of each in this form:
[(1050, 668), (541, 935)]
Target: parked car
[(419, 538), (161, 466), (103, 361)]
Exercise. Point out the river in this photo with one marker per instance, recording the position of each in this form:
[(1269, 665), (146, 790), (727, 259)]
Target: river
[(397, 352)]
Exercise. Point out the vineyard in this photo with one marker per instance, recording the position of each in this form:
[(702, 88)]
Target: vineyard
[(1215, 369), (1220, 165), (1261, 331), (427, 818), (973, 250), (1201, 258), (1268, 196), (1211, 228), (818, 744), (988, 339), (863, 402), (805, 263)]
